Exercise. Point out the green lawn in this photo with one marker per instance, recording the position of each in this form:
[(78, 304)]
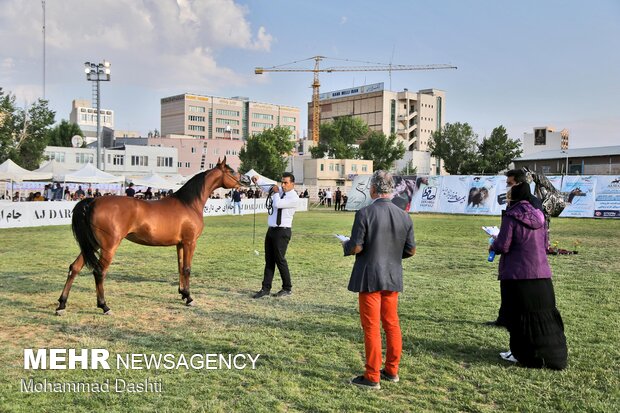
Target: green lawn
[(310, 344)]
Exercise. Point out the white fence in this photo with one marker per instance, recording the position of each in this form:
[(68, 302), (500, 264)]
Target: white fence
[(37, 214)]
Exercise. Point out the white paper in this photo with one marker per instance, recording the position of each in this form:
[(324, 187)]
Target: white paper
[(492, 231), (342, 238)]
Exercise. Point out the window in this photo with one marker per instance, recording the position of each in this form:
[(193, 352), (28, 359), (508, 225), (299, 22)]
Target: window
[(262, 125), (84, 158), (364, 168), (58, 156), (331, 166), (196, 128), (289, 119), (338, 167), (180, 164), (197, 109), (322, 168), (137, 160), (193, 150), (187, 164), (195, 118), (262, 116), (165, 161), (118, 160), (226, 121), (226, 112), (353, 167)]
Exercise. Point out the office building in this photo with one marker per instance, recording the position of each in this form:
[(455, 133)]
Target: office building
[(236, 118)]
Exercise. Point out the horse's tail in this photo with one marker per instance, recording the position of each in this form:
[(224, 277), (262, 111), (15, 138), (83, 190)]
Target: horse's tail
[(83, 232)]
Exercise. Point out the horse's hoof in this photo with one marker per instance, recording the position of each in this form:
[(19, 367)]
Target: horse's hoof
[(60, 312), (109, 312), (190, 303)]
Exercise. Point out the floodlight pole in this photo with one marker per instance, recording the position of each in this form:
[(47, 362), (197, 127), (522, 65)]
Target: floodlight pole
[(98, 72)]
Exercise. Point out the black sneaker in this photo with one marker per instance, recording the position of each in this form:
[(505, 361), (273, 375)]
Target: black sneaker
[(261, 293), (389, 377), (364, 383), (283, 293)]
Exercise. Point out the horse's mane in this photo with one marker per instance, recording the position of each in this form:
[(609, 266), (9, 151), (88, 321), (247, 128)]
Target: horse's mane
[(192, 189)]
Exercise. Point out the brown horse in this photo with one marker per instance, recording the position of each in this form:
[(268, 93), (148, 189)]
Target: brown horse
[(100, 224)]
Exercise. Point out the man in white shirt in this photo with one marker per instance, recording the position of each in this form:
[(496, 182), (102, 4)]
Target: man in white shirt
[(284, 202)]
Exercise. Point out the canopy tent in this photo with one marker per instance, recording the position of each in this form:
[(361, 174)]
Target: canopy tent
[(57, 169), (155, 181), (90, 174), (261, 179), (11, 171)]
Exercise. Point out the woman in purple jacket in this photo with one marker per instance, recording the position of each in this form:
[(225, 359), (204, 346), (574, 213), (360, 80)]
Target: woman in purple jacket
[(533, 321)]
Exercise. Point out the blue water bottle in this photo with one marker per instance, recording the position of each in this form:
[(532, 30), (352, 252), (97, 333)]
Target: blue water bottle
[(491, 253)]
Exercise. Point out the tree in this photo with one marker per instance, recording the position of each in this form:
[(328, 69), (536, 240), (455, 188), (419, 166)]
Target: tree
[(61, 134), (338, 137), (498, 151), (382, 150), (455, 144), (266, 151), (409, 169), (23, 132)]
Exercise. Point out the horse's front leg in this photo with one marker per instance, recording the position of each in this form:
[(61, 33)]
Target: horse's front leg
[(180, 269), (74, 270), (188, 254)]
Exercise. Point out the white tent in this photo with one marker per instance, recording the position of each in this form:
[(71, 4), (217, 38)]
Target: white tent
[(57, 169), (11, 171), (261, 179), (90, 174), (155, 181)]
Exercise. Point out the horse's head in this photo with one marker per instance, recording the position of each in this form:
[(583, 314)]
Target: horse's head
[(231, 179)]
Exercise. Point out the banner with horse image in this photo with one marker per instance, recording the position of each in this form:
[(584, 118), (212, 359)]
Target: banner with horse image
[(481, 195), (427, 193), (404, 192), (580, 201), (454, 194), (359, 195), (607, 199)]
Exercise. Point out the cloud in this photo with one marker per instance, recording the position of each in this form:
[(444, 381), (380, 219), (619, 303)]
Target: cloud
[(162, 41), (343, 20)]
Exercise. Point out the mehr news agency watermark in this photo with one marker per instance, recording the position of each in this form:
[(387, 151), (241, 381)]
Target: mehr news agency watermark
[(99, 359)]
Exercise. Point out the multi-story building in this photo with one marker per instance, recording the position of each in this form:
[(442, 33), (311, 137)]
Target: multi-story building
[(411, 116), (194, 154), (85, 116), (122, 160), (544, 138), (236, 118)]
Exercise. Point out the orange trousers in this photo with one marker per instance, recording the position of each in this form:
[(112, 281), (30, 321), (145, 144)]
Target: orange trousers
[(375, 306)]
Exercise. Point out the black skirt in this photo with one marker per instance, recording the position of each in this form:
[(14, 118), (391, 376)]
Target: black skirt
[(536, 329)]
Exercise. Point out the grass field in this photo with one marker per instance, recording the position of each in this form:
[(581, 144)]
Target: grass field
[(310, 344)]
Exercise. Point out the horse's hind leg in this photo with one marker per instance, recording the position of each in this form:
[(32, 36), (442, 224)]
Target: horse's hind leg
[(188, 254), (74, 270), (104, 263), (181, 276)]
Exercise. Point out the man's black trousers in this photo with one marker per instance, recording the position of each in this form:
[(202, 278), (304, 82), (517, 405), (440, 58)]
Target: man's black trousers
[(276, 243)]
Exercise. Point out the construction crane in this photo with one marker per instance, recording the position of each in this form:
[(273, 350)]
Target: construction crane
[(374, 67)]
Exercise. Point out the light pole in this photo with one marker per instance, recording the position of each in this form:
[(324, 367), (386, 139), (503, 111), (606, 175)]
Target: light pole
[(565, 152), (98, 72)]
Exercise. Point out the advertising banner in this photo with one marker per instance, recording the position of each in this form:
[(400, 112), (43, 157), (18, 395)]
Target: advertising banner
[(454, 194), (607, 199), (37, 214), (580, 201), (481, 195), (427, 194), (358, 196)]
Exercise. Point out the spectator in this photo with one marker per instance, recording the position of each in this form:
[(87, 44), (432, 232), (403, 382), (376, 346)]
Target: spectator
[(130, 191)]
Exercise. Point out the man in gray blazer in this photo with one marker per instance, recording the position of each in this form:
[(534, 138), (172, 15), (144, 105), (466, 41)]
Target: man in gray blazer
[(382, 235)]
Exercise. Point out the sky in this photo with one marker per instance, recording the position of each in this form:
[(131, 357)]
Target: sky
[(521, 64)]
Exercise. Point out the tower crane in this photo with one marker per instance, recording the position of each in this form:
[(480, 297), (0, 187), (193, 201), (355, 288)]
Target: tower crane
[(374, 67)]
